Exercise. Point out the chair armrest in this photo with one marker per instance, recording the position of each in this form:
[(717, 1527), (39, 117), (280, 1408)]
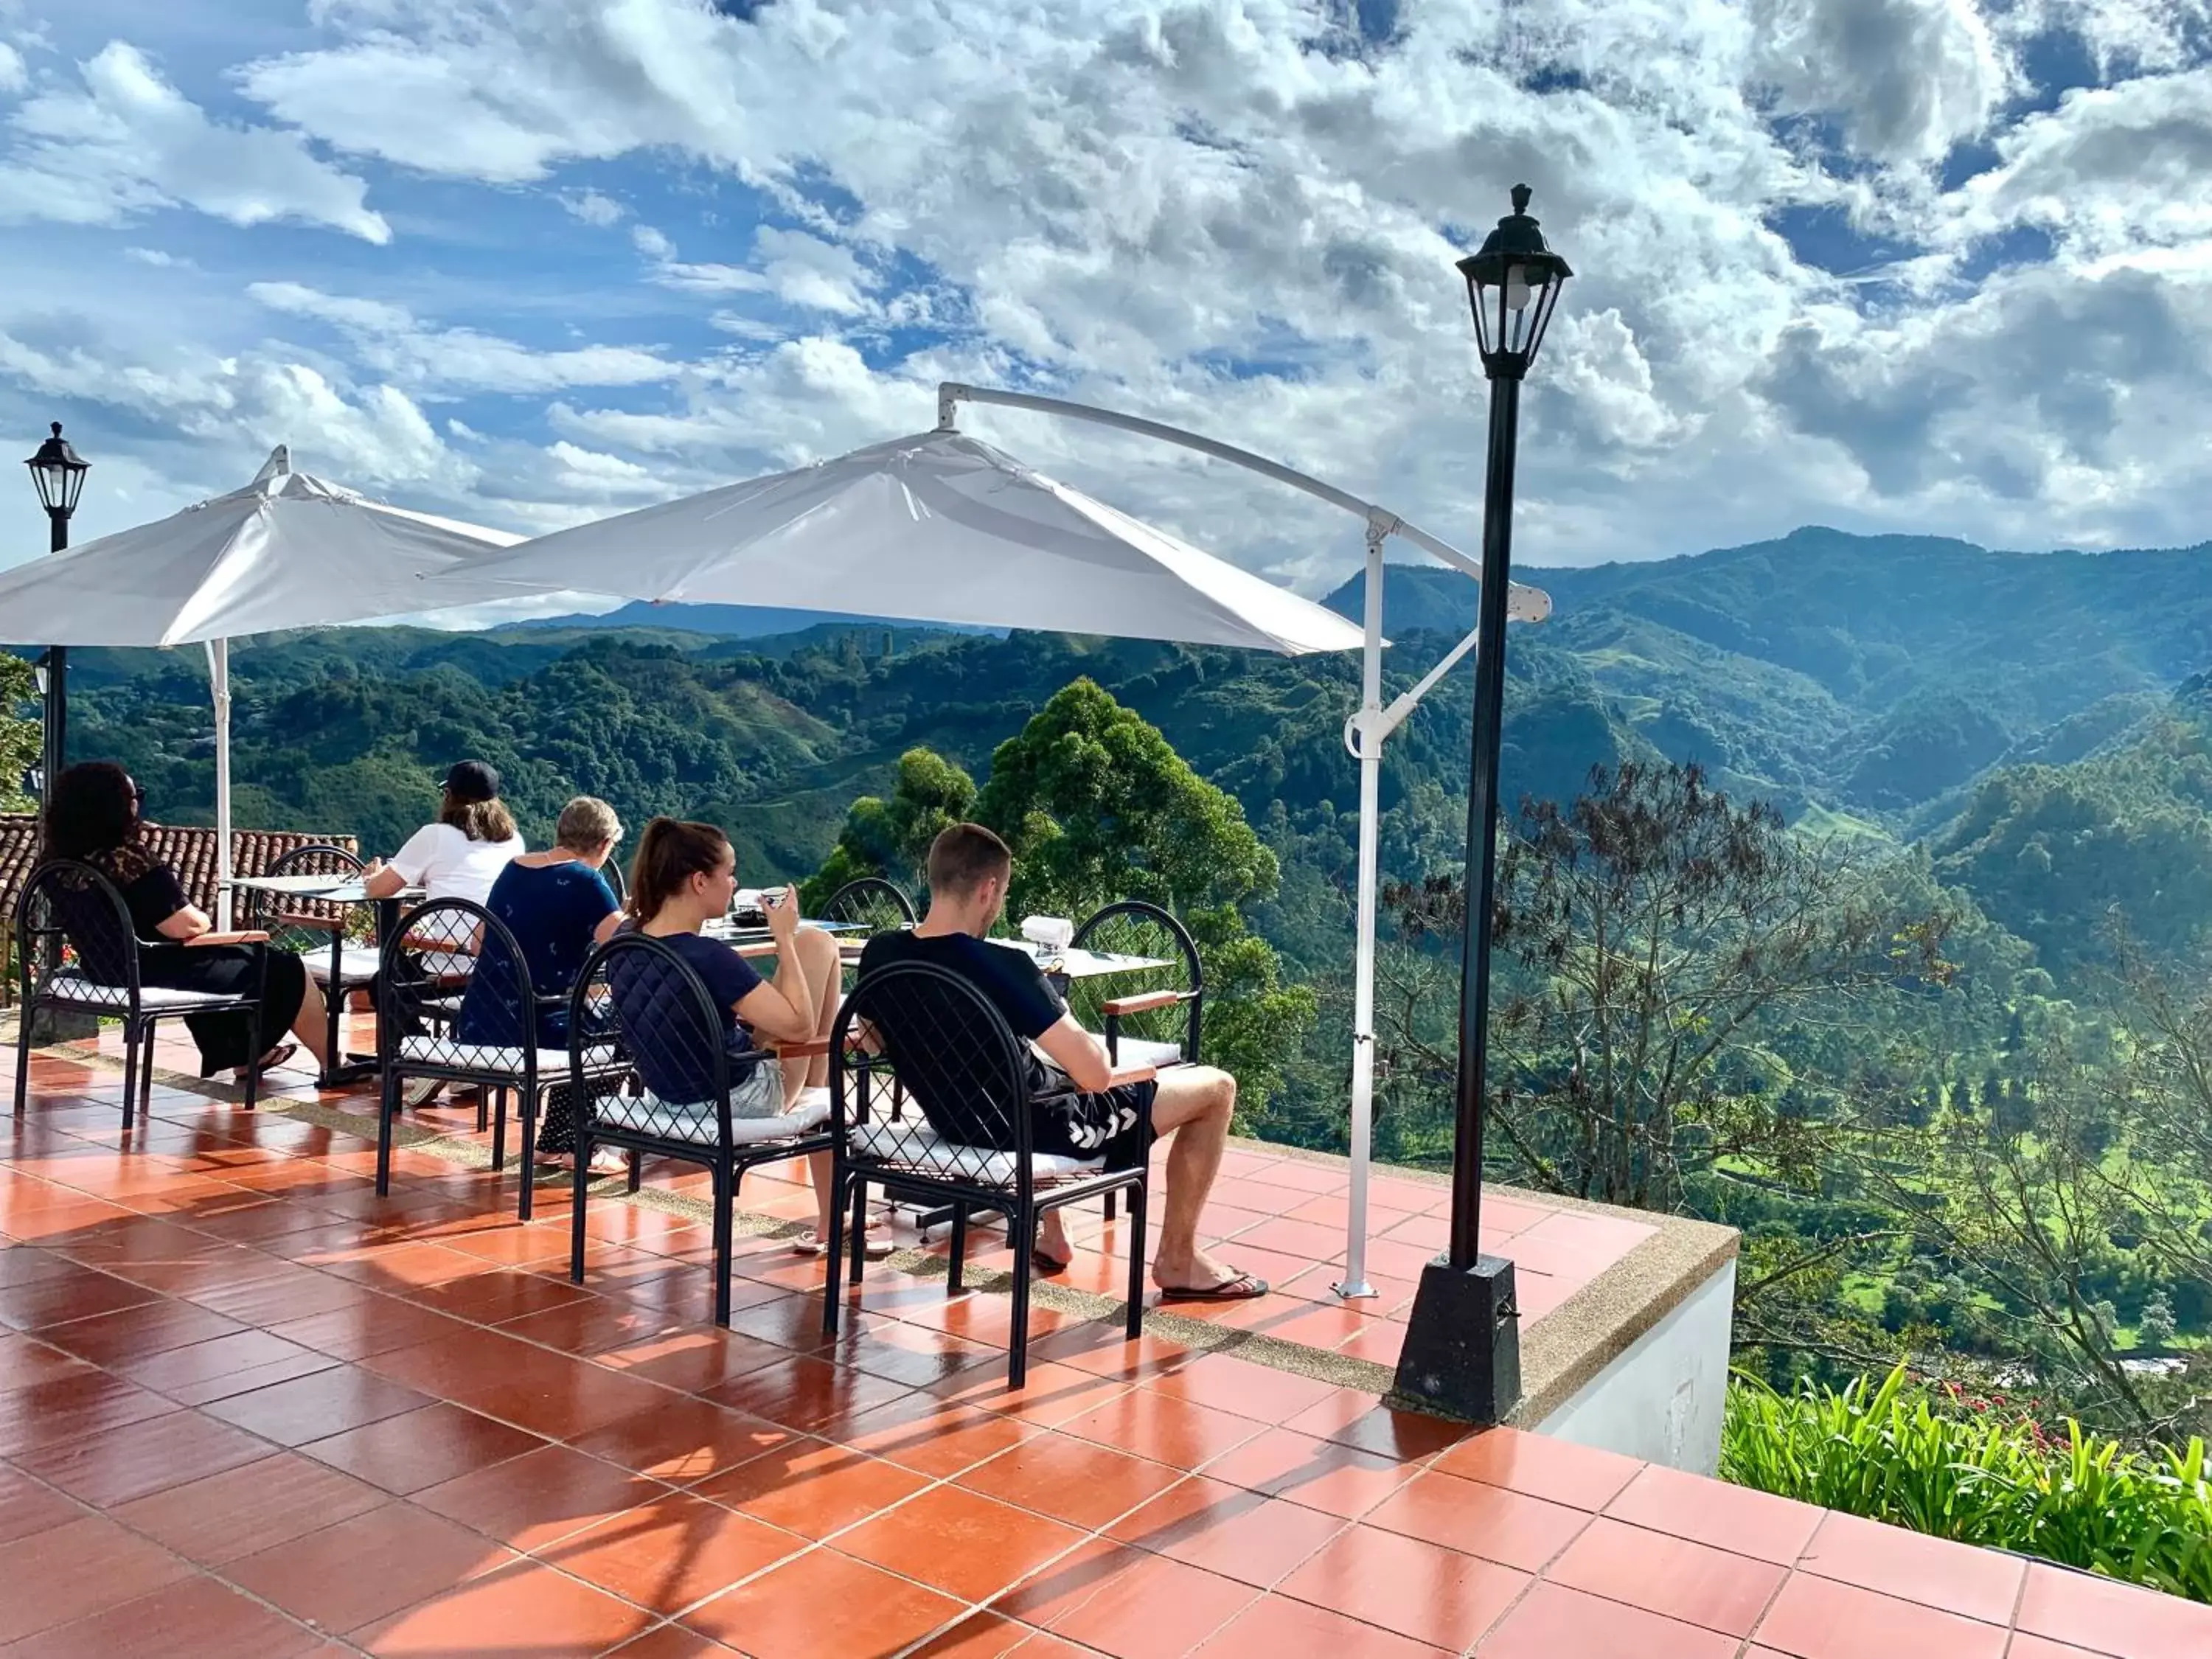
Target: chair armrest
[(1142, 1002), (246, 936), (1121, 1074), (799, 1050), (319, 924)]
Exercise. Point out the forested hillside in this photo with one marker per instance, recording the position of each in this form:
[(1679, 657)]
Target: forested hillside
[(1927, 919)]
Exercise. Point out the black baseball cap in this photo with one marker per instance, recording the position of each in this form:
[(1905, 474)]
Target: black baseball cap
[(472, 781)]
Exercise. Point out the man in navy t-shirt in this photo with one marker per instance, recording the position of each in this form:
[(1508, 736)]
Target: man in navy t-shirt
[(969, 870)]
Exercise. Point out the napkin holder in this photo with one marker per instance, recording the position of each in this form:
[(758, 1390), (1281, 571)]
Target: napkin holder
[(1053, 932)]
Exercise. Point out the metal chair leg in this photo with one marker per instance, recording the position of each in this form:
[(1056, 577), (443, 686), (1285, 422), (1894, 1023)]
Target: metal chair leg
[(834, 1262), (1022, 1227), (526, 1156), (582, 1184), (23, 1054), (129, 1068), (636, 1169), (1136, 1312), (387, 1109), (858, 1245), (959, 1255), (498, 1126), (252, 1077), (726, 1201)]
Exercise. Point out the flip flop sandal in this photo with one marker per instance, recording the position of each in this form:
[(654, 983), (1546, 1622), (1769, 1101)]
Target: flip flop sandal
[(1243, 1288), (1045, 1267), (270, 1061), (811, 1242)]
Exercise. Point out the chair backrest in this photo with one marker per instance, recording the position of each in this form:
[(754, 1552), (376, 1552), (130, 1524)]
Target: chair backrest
[(271, 912), (1138, 927), (618, 883), (637, 995), (873, 903), (946, 1045), (67, 902), (450, 977)]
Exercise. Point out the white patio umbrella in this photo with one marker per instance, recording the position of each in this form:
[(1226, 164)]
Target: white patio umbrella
[(936, 527), (288, 551)]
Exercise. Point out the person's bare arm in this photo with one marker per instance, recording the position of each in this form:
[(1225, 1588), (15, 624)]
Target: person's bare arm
[(187, 924), (1078, 1054), (781, 1006), (605, 930), (381, 881)]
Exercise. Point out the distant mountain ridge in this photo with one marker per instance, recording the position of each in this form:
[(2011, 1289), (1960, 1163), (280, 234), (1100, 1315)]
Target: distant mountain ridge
[(730, 621)]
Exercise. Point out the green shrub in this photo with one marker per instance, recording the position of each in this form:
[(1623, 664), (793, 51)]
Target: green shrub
[(1896, 1453)]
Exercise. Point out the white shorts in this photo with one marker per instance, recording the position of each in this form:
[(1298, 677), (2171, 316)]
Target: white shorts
[(760, 1095)]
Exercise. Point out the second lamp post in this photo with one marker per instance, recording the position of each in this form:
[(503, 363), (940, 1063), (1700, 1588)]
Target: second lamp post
[(58, 473), (1462, 1355)]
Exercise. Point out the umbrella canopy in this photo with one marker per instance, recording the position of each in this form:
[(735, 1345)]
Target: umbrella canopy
[(288, 551), (935, 527)]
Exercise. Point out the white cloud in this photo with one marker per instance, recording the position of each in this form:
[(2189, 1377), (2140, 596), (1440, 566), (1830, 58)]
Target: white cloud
[(390, 340), (14, 77), (1907, 79), (594, 209), (159, 258), (128, 142)]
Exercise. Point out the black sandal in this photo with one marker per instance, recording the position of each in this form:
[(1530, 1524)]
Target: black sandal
[(1243, 1287)]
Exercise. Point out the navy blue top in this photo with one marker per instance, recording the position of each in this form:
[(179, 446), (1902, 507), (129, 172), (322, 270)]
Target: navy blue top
[(551, 911), (661, 1020)]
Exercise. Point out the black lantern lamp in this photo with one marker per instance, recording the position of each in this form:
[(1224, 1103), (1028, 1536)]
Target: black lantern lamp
[(1462, 1355), (57, 472)]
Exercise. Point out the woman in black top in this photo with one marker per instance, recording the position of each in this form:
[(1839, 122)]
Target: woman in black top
[(93, 816)]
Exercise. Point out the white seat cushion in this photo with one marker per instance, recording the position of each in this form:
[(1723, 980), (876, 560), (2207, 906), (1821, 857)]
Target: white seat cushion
[(552, 1063), (445, 964), (1138, 1051), (357, 965), (699, 1122), (921, 1148), (78, 989)]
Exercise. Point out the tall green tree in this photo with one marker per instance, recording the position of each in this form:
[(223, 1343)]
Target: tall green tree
[(890, 837), (20, 737), (1098, 806)]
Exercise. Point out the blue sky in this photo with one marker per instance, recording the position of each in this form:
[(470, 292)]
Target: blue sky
[(1912, 264)]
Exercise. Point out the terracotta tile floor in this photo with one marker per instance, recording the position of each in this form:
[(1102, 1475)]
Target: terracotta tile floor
[(246, 1408)]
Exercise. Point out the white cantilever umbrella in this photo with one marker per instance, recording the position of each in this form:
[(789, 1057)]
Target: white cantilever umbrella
[(288, 551), (935, 527)]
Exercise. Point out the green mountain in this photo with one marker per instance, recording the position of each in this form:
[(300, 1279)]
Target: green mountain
[(2003, 708)]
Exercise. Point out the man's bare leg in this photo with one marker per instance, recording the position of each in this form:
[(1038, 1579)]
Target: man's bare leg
[(825, 978), (1193, 1107)]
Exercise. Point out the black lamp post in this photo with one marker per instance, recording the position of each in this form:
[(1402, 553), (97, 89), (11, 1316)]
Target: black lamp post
[(1462, 1355), (59, 475)]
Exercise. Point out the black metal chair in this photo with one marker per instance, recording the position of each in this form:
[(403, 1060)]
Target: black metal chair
[(873, 903), (617, 881), (69, 903), (315, 931), (951, 1051), (681, 1037), (1157, 1027), (448, 957)]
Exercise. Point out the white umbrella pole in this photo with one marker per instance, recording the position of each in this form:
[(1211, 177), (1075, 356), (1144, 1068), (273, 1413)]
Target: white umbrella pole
[(218, 656), (1369, 752)]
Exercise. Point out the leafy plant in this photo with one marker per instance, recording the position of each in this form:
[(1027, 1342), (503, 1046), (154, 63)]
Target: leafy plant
[(1977, 1471)]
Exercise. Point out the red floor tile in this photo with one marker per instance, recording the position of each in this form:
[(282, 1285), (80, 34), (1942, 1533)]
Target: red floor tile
[(204, 1372), (672, 1552), (823, 1603), (674, 1642), (524, 1609), (360, 1570), (686, 1440), (1224, 1529), (420, 1449), (193, 1619), (1408, 1585), (966, 1545), (1278, 1627), (811, 1487), (70, 1408), (987, 1636), (930, 1437), (137, 1334), (27, 1507), (1230, 1384), (1732, 1518), (1128, 1602), (75, 1571), (1076, 1482), (1956, 1578), (1557, 1470), (2112, 1619), (541, 1497), (142, 1458), (1174, 1432), (1554, 1622), (1691, 1583), (1506, 1527), (253, 1508), (315, 1406), (807, 1394), (1352, 1418), (1820, 1618), (1321, 1474)]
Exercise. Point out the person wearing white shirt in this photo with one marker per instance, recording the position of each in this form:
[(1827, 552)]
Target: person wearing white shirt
[(462, 853), (458, 857)]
